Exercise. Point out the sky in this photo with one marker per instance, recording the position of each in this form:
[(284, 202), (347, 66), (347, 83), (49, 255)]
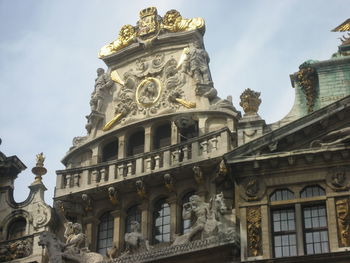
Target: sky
[(48, 61)]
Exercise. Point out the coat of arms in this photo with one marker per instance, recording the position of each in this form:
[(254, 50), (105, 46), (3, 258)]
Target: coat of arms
[(148, 26)]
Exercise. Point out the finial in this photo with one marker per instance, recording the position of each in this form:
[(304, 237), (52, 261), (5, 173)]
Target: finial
[(39, 170), (250, 102)]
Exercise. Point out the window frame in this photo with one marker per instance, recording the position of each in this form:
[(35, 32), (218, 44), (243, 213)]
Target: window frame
[(159, 207), (110, 219)]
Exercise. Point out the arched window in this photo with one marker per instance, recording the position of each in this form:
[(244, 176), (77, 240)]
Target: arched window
[(105, 233), (281, 195), (186, 223), (136, 143), (17, 228), (110, 151), (188, 131), (162, 136), (133, 214), (161, 222), (312, 191)]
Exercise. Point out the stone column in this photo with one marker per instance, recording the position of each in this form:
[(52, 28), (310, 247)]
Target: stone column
[(299, 228), (174, 133), (332, 225), (172, 201), (119, 228), (148, 139), (146, 226), (121, 146), (91, 225), (265, 231)]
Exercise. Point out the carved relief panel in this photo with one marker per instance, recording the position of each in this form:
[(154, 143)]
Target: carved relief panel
[(343, 221), (254, 238)]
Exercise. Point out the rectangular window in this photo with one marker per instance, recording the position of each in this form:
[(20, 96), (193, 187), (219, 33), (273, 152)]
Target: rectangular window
[(316, 231), (284, 234)]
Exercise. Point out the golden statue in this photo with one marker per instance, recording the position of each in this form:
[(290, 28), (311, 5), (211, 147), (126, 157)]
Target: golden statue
[(174, 22), (40, 158), (126, 36)]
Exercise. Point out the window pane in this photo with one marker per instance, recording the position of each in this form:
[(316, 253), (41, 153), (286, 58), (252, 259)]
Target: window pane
[(284, 232), (316, 240), (105, 233), (161, 223)]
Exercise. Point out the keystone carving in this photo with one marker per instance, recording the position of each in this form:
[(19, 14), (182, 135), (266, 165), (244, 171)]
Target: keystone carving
[(87, 202), (141, 189), (169, 182), (113, 195)]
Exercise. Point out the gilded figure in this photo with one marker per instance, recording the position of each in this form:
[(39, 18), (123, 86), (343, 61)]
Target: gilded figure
[(343, 217)]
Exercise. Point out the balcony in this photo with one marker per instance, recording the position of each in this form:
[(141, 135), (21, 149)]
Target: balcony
[(208, 146)]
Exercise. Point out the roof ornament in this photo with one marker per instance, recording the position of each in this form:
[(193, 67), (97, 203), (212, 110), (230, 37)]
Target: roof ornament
[(39, 170)]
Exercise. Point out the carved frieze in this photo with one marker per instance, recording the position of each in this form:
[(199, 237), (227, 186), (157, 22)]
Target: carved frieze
[(254, 238), (343, 218)]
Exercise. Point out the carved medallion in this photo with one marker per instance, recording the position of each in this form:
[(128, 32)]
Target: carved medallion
[(148, 92), (252, 188), (338, 178)]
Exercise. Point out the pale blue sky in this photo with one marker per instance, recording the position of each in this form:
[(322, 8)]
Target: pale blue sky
[(48, 61)]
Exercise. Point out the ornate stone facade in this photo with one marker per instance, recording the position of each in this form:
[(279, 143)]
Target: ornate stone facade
[(169, 172)]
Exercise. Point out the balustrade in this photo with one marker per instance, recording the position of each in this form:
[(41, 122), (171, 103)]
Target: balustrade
[(211, 145)]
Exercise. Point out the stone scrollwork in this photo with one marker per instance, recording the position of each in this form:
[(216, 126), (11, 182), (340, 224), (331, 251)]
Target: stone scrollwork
[(41, 215), (337, 137), (343, 217), (153, 85), (254, 231), (250, 102), (16, 249)]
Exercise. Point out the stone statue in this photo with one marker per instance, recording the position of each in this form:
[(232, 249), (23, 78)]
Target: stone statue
[(196, 64), (134, 240), (102, 83), (208, 220), (71, 251)]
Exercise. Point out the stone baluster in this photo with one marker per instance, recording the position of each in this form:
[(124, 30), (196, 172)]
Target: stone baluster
[(68, 180), (76, 179), (94, 176), (176, 155), (121, 170), (104, 174), (156, 162), (129, 169), (185, 151), (148, 163), (214, 143), (112, 172), (204, 146)]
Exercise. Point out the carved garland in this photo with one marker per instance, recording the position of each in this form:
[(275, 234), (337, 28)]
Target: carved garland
[(254, 231), (307, 79)]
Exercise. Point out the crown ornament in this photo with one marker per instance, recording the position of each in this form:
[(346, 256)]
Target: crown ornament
[(148, 11)]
